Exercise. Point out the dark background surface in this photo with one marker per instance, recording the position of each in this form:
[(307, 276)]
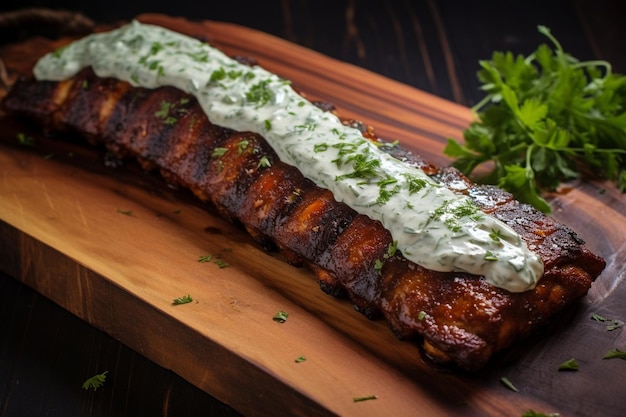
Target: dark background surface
[(47, 353)]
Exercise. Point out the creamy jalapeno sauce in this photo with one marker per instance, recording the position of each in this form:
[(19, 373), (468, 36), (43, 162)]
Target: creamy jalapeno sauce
[(430, 225)]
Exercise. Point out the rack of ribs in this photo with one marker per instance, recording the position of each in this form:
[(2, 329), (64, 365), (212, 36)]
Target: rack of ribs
[(458, 318)]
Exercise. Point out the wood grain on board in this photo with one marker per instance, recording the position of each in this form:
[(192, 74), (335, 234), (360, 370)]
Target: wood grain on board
[(116, 246)]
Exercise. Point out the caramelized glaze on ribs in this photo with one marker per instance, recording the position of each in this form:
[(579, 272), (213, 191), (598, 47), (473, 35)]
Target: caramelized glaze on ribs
[(459, 318)]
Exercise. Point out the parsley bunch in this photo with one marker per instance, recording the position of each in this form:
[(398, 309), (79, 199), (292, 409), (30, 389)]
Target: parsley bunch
[(545, 118)]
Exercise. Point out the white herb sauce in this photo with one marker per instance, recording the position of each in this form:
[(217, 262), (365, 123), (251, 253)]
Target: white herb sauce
[(431, 225)]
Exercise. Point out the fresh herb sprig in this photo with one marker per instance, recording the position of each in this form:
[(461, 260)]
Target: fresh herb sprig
[(546, 117)]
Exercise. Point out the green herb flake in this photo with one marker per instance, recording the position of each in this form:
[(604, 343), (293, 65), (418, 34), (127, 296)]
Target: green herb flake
[(495, 235), (186, 299), (95, 381), (570, 365), (242, 145), (421, 315), (164, 113), (384, 194), (611, 324), (59, 51), (219, 151), (264, 162), (300, 359), (25, 140), (125, 212), (507, 383), (201, 56), (217, 75), (365, 398), (221, 263), (415, 183), (489, 256), (280, 316), (392, 249), (363, 167), (378, 265), (533, 413), (214, 259), (320, 147), (453, 214), (260, 93), (615, 354)]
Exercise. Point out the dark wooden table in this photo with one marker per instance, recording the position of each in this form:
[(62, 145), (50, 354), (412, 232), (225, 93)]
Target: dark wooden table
[(433, 45)]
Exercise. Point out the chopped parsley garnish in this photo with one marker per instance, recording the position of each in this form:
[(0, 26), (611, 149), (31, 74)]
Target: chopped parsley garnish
[(378, 265), (59, 51), (391, 251), (280, 316), (365, 398), (307, 126), (320, 147), (300, 359), (545, 116), (415, 184), (264, 162), (221, 263), (201, 56), (489, 256), (453, 214), (346, 148), (507, 383), (615, 354), (219, 151), (242, 145), (95, 381), (495, 235), (260, 93), (363, 167), (385, 194), (570, 365), (214, 259), (25, 140), (185, 299), (164, 113), (221, 73), (169, 112), (611, 324), (125, 212)]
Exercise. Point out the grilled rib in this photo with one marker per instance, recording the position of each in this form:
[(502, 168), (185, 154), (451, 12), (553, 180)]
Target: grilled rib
[(458, 318)]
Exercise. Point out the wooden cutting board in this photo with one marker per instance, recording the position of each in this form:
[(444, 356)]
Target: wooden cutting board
[(115, 246)]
